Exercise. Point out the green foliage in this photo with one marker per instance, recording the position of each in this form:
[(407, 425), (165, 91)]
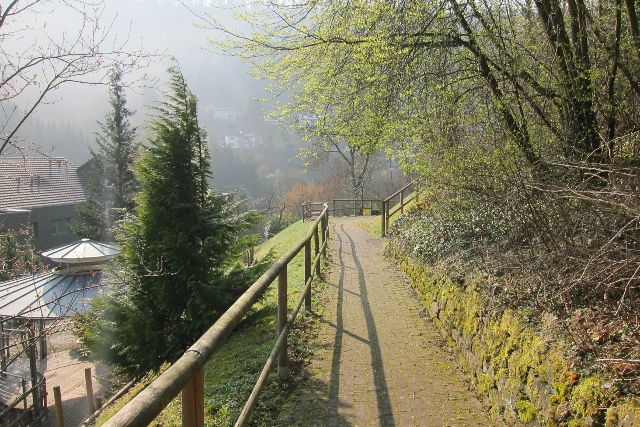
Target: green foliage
[(17, 256), (520, 121), (232, 371), (117, 148), (111, 181), (515, 365), (90, 223), (179, 269)]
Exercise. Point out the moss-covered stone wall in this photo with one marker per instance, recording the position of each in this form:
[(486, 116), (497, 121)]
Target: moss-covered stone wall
[(524, 378)]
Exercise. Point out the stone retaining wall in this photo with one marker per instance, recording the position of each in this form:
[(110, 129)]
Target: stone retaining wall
[(522, 377)]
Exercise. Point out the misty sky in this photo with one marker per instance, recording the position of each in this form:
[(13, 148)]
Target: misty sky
[(165, 27)]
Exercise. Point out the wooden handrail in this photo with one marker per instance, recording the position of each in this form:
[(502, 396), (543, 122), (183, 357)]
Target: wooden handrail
[(387, 213), (143, 408), (276, 351), (357, 200), (355, 206), (38, 406), (399, 191)]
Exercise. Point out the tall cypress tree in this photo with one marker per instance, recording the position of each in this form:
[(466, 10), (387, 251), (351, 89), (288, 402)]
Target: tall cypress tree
[(116, 146), (112, 183), (178, 249)]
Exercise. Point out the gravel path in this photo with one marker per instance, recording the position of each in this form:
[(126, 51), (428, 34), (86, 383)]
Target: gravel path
[(376, 360)]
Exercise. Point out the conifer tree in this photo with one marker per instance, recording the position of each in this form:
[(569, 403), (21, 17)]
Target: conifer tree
[(179, 248), (111, 182), (116, 146)]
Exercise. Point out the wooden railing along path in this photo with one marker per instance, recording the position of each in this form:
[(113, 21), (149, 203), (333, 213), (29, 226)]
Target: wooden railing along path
[(28, 397), (365, 207), (396, 202), (386, 208), (186, 375)]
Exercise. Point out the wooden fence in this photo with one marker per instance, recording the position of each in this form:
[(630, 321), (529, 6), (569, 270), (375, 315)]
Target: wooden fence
[(396, 203), (311, 210), (342, 207), (186, 375), (30, 402), (24, 397), (357, 207)]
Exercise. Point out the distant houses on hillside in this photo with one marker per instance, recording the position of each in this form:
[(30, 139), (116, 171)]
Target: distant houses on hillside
[(225, 114), (241, 140), (41, 193)]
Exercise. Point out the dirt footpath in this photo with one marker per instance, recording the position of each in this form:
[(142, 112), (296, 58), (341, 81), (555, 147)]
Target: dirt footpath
[(376, 360)]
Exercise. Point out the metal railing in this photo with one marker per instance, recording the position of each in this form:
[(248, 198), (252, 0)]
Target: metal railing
[(186, 375), (396, 203)]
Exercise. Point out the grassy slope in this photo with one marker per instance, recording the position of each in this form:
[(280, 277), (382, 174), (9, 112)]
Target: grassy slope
[(231, 373), (373, 223)]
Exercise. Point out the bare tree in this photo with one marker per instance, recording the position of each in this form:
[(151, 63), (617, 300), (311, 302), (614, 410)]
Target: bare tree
[(36, 60)]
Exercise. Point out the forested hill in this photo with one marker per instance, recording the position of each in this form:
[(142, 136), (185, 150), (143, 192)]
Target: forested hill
[(520, 121)]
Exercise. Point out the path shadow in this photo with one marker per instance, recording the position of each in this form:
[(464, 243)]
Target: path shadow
[(320, 403), (74, 411), (385, 410), (334, 381)]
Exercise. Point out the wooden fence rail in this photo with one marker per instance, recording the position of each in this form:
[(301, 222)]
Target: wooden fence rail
[(186, 375), (343, 207), (30, 405), (396, 202), (357, 207)]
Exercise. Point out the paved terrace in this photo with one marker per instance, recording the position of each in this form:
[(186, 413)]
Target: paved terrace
[(66, 370)]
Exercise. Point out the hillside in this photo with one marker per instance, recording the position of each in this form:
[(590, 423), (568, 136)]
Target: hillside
[(231, 373)]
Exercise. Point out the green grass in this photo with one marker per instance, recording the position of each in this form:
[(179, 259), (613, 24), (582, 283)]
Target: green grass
[(232, 372), (373, 225)]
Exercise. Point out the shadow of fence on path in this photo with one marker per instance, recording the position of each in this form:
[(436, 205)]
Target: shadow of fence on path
[(321, 404), (382, 391), (334, 384)]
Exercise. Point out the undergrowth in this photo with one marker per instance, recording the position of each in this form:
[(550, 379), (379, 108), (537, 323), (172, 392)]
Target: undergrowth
[(232, 372)]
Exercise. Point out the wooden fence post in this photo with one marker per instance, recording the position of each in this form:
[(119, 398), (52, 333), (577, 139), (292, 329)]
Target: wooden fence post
[(58, 402), (91, 403), (387, 217), (316, 247), (3, 356), (43, 393), (401, 202), (193, 400), (33, 368), (42, 339), (283, 362), (383, 231), (325, 226), (307, 274), (24, 391)]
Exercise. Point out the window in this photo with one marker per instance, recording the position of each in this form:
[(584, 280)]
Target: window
[(61, 226)]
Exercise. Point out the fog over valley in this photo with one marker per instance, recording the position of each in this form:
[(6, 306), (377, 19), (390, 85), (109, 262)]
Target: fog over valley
[(229, 106)]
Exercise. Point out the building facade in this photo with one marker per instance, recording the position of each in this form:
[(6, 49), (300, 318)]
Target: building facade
[(39, 195)]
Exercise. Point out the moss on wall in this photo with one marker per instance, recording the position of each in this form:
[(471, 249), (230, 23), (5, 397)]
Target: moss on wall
[(524, 378)]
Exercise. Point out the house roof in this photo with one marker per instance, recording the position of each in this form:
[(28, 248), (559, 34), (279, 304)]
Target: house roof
[(30, 182), (84, 251), (50, 295)]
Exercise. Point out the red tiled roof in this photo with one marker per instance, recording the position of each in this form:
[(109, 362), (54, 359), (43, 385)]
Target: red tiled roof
[(29, 182)]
